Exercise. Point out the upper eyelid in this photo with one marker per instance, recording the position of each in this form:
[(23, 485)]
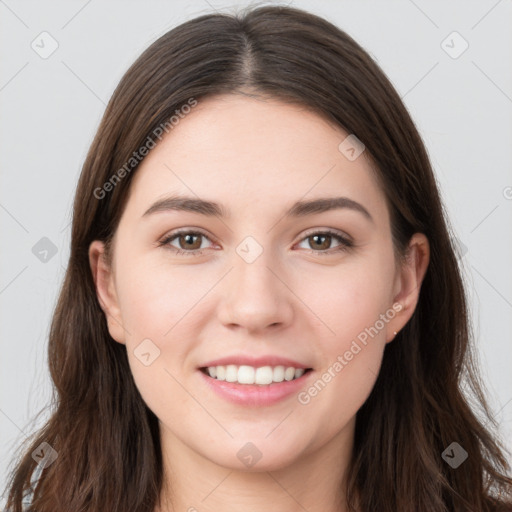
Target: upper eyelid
[(330, 231), (195, 231)]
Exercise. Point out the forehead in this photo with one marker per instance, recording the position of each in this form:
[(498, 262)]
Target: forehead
[(254, 155)]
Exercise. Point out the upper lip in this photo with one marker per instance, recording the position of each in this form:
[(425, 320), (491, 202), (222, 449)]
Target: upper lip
[(256, 362)]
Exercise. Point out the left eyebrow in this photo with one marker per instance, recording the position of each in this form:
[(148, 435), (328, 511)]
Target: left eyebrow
[(324, 204), (298, 209)]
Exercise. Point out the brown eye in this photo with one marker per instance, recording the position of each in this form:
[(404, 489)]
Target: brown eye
[(189, 241), (320, 242)]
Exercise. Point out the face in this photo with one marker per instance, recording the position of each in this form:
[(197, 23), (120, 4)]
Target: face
[(257, 287)]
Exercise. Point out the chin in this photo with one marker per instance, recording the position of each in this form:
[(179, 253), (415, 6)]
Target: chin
[(256, 456)]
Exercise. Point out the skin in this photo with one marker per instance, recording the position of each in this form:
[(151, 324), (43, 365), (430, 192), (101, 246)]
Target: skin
[(256, 157)]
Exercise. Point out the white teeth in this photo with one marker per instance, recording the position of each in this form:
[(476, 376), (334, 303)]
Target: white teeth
[(246, 375), (231, 373), (262, 376), (221, 372), (289, 373), (278, 375), (299, 372)]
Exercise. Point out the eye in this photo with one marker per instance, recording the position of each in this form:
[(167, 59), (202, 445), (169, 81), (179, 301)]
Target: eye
[(321, 240), (187, 240)]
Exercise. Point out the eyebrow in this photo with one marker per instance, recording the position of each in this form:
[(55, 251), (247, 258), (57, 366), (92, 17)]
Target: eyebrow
[(298, 209)]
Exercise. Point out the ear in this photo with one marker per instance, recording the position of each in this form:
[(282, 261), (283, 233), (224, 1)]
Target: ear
[(408, 282), (103, 276)]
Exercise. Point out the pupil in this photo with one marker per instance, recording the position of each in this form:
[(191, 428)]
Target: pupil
[(318, 239), (189, 239)]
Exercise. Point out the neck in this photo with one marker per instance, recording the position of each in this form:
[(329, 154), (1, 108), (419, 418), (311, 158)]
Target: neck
[(314, 481)]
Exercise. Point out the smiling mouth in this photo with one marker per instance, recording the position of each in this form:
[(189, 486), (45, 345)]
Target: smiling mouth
[(262, 376)]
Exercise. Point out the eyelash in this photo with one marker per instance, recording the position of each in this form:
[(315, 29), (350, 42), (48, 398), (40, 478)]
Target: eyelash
[(345, 243)]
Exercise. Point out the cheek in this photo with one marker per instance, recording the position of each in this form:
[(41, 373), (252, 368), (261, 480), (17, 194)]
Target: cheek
[(157, 309), (347, 299), (353, 302), (156, 298)]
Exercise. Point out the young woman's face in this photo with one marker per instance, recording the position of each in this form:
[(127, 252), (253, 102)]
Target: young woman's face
[(259, 284)]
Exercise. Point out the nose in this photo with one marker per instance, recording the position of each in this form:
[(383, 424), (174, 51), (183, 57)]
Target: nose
[(255, 296)]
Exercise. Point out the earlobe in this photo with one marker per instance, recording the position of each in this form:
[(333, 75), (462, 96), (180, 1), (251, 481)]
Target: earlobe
[(105, 290), (411, 277)]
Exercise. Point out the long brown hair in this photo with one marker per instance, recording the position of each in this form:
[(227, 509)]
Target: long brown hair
[(106, 438)]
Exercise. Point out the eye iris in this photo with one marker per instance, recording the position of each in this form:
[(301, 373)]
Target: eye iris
[(189, 238), (324, 244)]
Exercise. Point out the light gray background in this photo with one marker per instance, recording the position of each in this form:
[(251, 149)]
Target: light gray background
[(50, 109)]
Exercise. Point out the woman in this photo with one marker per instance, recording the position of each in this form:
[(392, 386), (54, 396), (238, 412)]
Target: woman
[(262, 308)]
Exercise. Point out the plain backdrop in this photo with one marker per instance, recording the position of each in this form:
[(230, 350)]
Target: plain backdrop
[(457, 87)]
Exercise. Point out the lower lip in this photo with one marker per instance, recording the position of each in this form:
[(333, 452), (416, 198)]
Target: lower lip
[(254, 394)]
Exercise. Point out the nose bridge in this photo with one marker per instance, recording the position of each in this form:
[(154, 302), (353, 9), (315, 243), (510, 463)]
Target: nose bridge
[(255, 297), (252, 272)]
